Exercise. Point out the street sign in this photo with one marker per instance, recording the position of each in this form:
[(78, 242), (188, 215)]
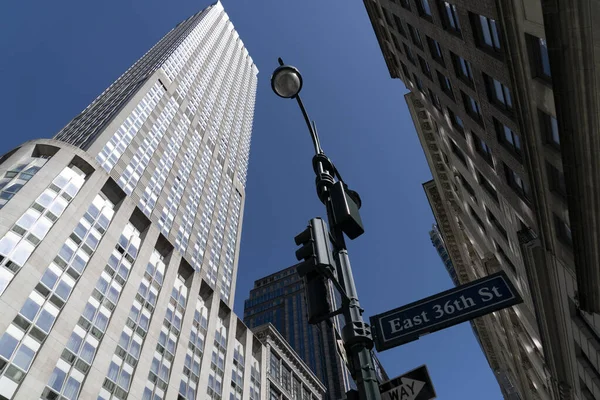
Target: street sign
[(413, 385), (462, 303)]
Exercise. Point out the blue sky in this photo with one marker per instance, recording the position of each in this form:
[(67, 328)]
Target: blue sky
[(58, 56)]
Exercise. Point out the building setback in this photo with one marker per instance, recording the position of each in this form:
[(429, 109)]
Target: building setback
[(119, 238), (504, 100)]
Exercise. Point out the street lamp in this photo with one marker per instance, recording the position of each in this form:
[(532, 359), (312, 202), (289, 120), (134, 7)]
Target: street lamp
[(342, 206)]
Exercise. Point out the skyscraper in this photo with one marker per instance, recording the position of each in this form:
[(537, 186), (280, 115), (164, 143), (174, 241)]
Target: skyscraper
[(503, 97), (279, 299), (119, 238), (481, 326)]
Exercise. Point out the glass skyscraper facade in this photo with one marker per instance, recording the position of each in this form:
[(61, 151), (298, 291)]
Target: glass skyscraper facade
[(119, 238), (279, 299)]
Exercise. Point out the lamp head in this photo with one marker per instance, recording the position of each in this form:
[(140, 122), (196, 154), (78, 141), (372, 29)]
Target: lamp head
[(286, 81)]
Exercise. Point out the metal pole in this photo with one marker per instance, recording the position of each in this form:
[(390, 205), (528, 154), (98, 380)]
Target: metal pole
[(356, 334)]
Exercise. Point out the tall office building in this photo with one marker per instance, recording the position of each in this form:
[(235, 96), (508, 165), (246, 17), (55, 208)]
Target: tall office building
[(119, 238), (504, 100), (438, 242), (279, 299), (481, 326)]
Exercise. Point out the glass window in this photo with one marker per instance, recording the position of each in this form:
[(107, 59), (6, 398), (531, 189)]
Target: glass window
[(508, 138), (450, 17), (30, 309), (72, 388), (24, 357), (436, 50), (483, 149), (63, 290), (22, 252), (8, 344), (8, 243), (424, 8), (45, 321), (74, 342), (56, 379), (563, 231), (540, 62), (472, 107), (49, 279), (515, 181), (41, 227), (409, 53), (445, 84), (415, 36), (27, 220), (556, 180), (435, 100), (87, 353), (549, 126), (498, 93), (487, 30), (463, 69)]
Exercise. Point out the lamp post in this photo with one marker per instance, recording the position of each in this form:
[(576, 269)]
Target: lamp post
[(342, 206)]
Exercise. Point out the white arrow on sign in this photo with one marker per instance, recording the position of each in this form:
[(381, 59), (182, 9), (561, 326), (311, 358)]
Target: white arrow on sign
[(409, 390)]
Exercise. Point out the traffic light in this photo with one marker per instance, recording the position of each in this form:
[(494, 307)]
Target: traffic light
[(316, 265), (315, 252)]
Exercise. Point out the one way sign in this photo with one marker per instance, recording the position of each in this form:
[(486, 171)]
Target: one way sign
[(413, 385)]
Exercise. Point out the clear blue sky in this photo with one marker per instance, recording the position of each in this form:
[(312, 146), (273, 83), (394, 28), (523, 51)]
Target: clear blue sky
[(57, 56)]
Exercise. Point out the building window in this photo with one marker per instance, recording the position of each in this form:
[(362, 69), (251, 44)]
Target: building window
[(517, 183), (273, 394), (476, 218), (399, 25), (445, 84), (472, 107), (435, 100), (458, 152), (418, 83), (435, 49), (549, 127), (405, 4), (486, 31), (449, 15), (483, 149), (556, 179), (425, 67), (489, 188), (405, 70), (457, 122), (396, 44), (498, 93), (424, 9), (492, 218), (509, 139), (563, 231), (409, 54), (540, 62), (415, 36), (388, 18), (274, 370), (463, 69), (468, 187), (505, 258)]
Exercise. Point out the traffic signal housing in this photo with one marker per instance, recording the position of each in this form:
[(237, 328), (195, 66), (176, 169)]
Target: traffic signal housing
[(316, 265)]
